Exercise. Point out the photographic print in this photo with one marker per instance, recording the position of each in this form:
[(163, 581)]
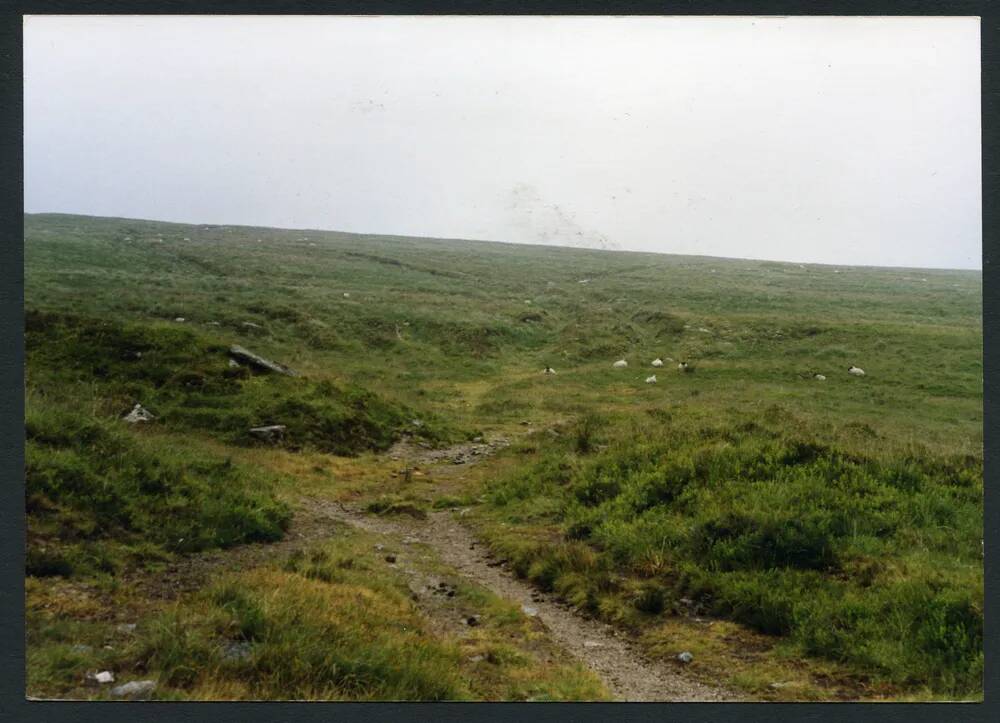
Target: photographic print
[(499, 358)]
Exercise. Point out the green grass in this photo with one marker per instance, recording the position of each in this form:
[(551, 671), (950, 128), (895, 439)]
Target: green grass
[(331, 623), (99, 497), (841, 519), (872, 560)]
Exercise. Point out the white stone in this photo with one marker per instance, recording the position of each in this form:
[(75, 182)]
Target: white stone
[(138, 414)]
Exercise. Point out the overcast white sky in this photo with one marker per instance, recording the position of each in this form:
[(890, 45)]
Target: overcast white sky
[(835, 140)]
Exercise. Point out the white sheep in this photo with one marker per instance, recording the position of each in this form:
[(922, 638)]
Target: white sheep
[(657, 362), (856, 371), (549, 370), (620, 364), (651, 379), (683, 366), (819, 377)]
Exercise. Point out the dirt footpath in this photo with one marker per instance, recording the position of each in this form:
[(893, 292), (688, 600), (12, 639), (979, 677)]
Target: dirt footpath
[(612, 656)]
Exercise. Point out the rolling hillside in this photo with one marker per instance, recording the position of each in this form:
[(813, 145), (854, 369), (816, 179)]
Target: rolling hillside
[(803, 538)]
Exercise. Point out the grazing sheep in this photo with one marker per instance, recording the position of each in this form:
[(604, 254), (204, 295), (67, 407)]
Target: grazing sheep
[(549, 370), (819, 377), (856, 371), (620, 364), (651, 379), (685, 367), (657, 362)]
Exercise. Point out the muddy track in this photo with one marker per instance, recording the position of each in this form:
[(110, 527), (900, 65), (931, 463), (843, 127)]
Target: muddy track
[(609, 654)]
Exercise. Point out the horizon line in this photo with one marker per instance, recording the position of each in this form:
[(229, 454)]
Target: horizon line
[(978, 269)]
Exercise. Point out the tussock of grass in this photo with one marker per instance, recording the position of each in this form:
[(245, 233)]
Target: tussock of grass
[(99, 497), (867, 560)]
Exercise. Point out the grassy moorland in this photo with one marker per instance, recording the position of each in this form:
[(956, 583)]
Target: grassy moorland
[(828, 529)]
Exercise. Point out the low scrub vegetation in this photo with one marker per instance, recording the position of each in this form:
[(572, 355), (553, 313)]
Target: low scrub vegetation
[(185, 379), (871, 560), (99, 497)]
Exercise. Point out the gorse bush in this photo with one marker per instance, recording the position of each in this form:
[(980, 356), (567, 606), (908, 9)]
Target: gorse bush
[(861, 559), (89, 483)]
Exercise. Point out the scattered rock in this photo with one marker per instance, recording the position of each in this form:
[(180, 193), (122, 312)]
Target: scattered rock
[(477, 658), (390, 558), (685, 657), (472, 621), (134, 689), (260, 362), (379, 548), (271, 433), (138, 414), (819, 377), (233, 364), (180, 319), (410, 540), (126, 628), (240, 650), (592, 644), (251, 325), (81, 648), (98, 678), (530, 611)]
